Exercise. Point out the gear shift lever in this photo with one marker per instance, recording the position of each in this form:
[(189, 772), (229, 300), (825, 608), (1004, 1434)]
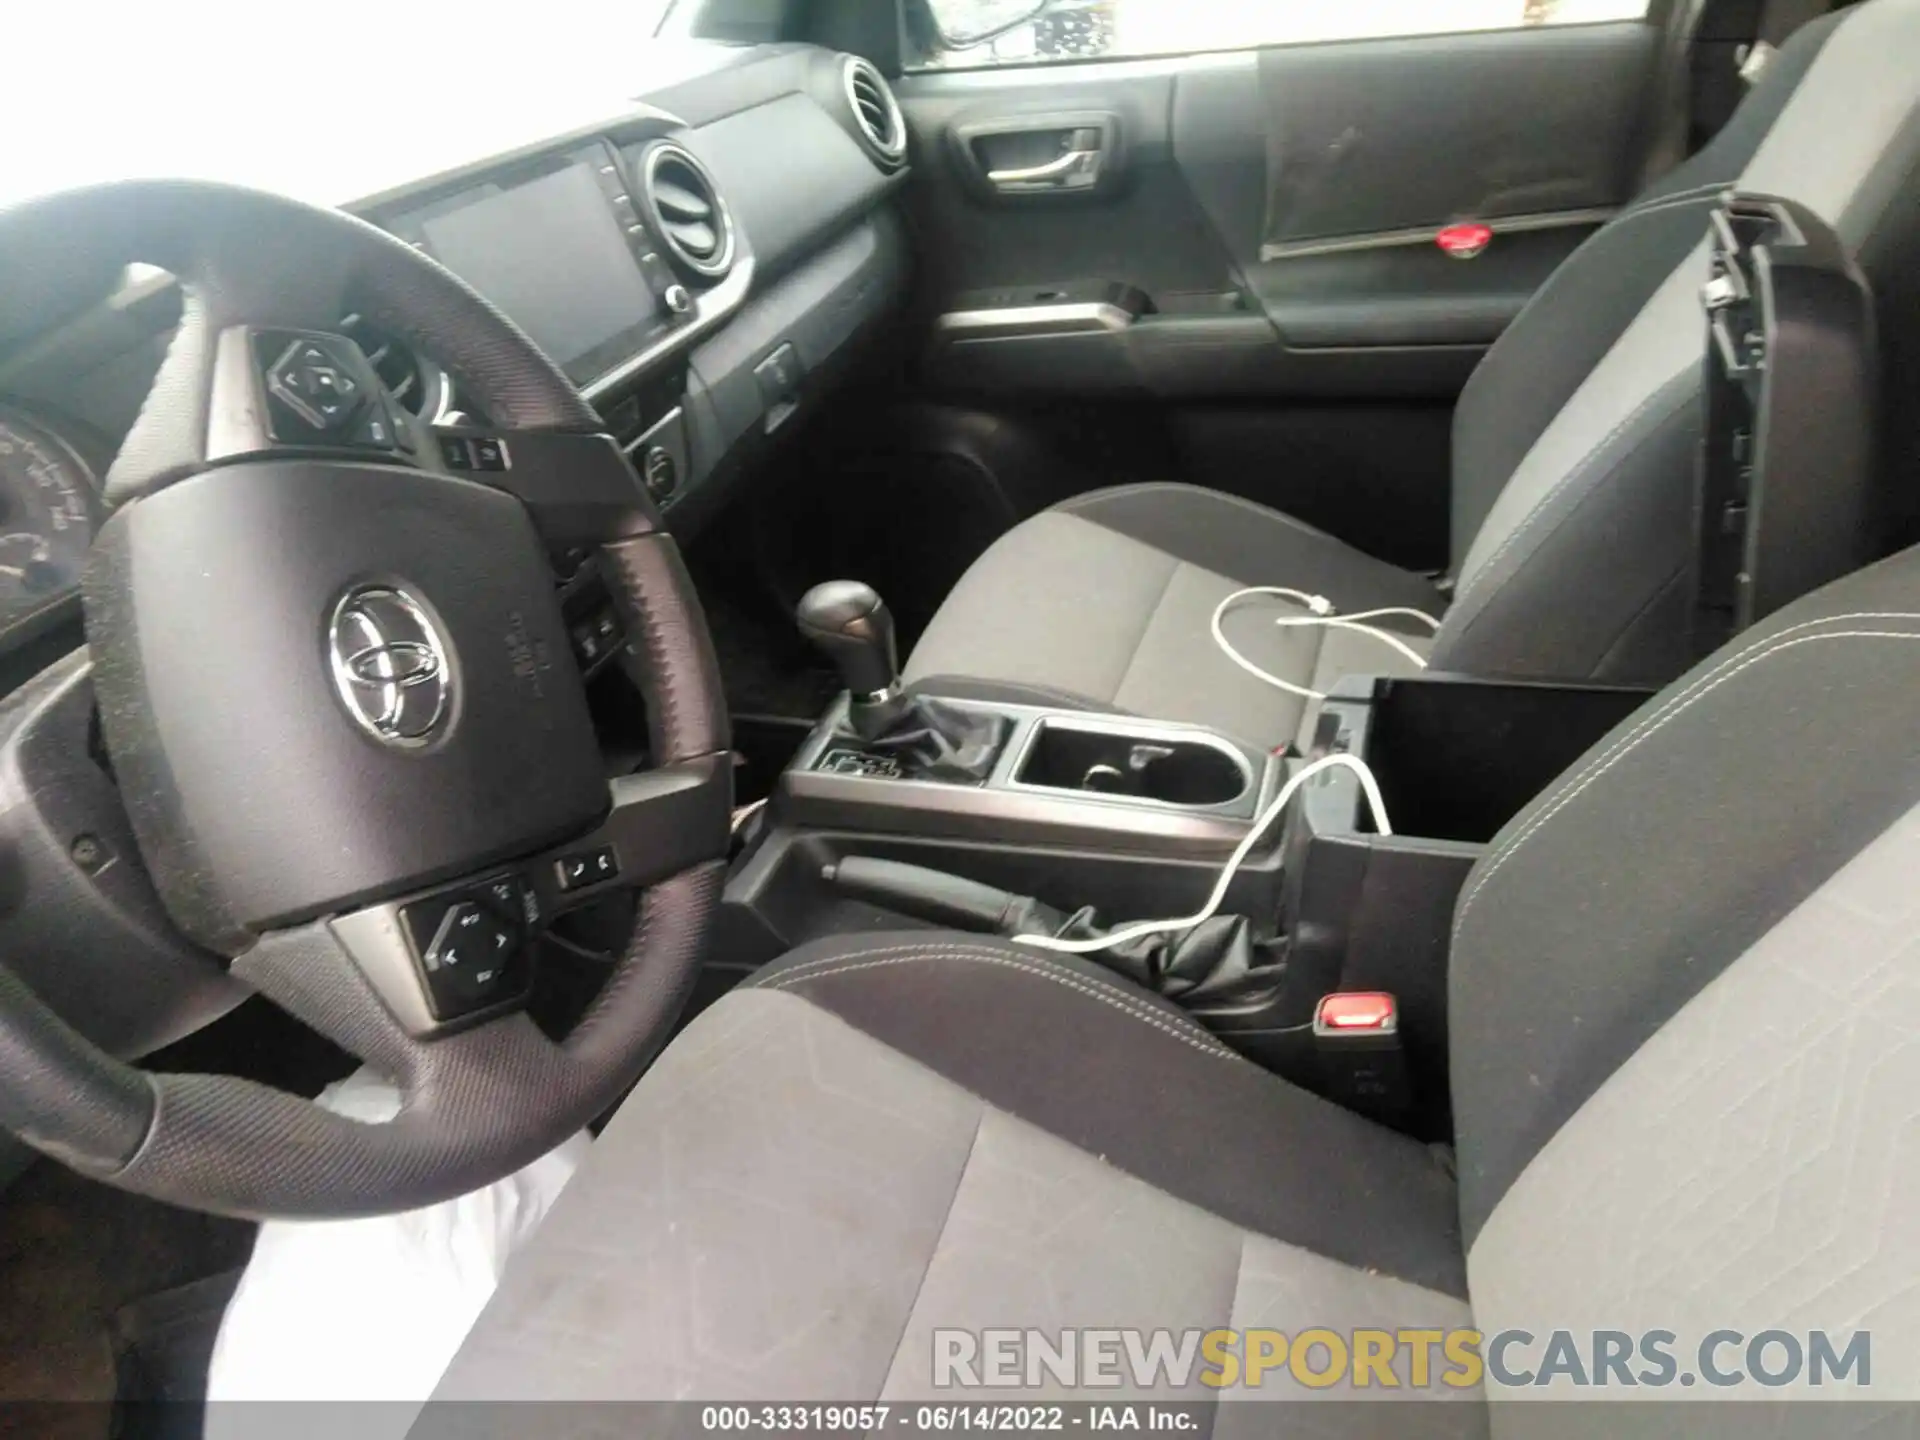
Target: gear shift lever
[(851, 623), (930, 739)]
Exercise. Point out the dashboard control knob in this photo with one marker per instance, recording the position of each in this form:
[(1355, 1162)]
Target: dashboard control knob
[(660, 473), (678, 299)]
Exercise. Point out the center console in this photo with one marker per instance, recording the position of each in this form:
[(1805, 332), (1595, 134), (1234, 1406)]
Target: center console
[(902, 809), (1056, 778), (1136, 818)]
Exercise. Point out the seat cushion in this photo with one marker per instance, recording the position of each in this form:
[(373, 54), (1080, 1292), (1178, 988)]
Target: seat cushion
[(828, 1165), (1104, 602)]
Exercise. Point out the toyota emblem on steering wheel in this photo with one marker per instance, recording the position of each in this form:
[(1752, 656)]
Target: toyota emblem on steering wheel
[(391, 665)]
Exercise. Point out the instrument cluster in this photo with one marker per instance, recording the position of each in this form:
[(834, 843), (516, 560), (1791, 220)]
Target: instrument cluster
[(49, 506)]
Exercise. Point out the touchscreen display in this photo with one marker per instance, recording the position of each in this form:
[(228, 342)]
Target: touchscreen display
[(551, 255)]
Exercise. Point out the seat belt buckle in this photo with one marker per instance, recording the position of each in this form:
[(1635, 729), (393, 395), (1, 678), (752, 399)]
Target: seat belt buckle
[(1356, 1036)]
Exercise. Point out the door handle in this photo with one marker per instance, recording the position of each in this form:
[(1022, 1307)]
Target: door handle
[(1034, 154), (1054, 172)]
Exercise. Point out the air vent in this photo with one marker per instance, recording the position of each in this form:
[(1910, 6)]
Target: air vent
[(874, 112), (685, 206), (421, 388)]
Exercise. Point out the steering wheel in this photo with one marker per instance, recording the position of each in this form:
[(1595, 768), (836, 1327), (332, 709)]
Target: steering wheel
[(337, 692)]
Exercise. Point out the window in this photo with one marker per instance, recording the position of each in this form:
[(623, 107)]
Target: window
[(966, 34)]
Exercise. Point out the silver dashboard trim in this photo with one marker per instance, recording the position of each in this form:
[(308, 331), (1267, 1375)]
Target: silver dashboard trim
[(652, 432), (711, 308)]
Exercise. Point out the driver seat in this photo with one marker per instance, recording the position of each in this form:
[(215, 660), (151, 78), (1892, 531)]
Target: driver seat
[(1574, 448), (1685, 1040)]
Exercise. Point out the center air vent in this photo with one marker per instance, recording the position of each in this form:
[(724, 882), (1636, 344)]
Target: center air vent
[(422, 388), (685, 206), (874, 112)]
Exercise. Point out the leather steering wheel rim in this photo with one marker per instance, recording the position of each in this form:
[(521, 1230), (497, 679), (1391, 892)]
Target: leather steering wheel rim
[(478, 1102)]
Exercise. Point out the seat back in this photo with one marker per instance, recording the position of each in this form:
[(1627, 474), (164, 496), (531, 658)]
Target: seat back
[(1576, 442), (1685, 1004)]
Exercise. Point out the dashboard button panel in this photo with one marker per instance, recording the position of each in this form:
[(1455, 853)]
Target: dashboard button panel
[(779, 377), (321, 390)]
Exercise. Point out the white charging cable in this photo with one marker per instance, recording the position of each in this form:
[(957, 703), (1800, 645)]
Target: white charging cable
[(1321, 615), (1273, 812)]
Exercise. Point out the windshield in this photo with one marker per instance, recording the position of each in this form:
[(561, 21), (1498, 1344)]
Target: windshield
[(329, 103)]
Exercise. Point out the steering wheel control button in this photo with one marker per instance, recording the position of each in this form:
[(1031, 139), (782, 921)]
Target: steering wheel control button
[(314, 383), (587, 867), (513, 899), (392, 666), (471, 948), (474, 964), (375, 430), (595, 638), (474, 452)]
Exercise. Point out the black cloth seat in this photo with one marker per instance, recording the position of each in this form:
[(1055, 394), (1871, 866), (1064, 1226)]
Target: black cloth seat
[(1685, 1037), (1104, 603)]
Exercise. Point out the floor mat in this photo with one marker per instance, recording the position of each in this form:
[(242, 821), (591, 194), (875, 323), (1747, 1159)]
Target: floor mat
[(74, 1255), (163, 1344)]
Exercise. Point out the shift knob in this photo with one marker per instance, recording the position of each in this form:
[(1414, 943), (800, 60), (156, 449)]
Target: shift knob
[(851, 623)]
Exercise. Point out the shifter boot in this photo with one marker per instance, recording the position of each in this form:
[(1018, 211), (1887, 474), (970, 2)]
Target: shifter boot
[(936, 741)]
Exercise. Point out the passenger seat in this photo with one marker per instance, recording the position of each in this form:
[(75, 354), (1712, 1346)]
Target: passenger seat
[(1573, 459)]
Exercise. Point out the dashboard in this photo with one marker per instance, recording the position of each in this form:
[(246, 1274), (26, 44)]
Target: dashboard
[(705, 263), (700, 263)]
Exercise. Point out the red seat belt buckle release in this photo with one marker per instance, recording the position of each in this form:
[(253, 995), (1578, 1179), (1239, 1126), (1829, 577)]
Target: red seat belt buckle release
[(1465, 241), (1370, 1010), (1356, 1035)]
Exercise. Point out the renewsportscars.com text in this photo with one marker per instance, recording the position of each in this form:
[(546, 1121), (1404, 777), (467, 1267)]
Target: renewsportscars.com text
[(1362, 1359)]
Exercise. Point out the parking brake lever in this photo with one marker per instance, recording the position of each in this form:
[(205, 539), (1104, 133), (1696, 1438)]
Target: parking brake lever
[(941, 899), (1216, 964)]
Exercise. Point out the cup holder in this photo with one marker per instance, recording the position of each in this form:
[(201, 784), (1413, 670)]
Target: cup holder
[(1166, 767)]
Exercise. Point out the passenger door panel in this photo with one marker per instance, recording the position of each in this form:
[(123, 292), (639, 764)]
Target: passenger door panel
[(1276, 209)]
